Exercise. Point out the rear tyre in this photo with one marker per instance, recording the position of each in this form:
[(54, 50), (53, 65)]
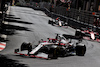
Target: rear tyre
[(52, 23), (80, 50)]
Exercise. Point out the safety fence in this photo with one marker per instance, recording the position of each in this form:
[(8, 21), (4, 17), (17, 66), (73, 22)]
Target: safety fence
[(75, 18), (80, 15)]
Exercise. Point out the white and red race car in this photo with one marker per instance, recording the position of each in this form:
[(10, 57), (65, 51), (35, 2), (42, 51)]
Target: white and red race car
[(52, 49), (57, 22)]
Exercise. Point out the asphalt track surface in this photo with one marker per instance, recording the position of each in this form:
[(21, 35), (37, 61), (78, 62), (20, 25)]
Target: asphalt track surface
[(30, 26)]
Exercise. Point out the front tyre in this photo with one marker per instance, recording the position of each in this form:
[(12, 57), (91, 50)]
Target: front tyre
[(53, 53), (24, 46), (52, 23)]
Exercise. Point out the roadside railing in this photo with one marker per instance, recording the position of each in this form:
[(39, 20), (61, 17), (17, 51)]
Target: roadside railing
[(75, 18)]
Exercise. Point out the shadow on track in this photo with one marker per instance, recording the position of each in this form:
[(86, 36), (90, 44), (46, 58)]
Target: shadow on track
[(10, 17), (18, 21), (6, 62), (8, 26), (8, 29)]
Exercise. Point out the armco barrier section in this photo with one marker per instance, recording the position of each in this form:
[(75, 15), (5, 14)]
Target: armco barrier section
[(75, 18)]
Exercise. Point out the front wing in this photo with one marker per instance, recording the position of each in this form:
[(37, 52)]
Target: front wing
[(39, 55)]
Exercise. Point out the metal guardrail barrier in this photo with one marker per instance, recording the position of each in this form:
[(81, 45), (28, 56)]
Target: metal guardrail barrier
[(77, 18)]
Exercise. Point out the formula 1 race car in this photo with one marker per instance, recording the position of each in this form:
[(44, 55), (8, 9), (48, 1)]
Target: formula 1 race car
[(53, 48), (57, 22), (89, 35)]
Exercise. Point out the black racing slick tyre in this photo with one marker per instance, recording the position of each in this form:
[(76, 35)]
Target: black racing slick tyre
[(49, 22), (52, 23), (53, 53), (24, 46), (80, 50)]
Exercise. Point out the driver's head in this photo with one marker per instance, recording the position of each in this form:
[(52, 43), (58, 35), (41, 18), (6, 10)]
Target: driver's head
[(57, 34), (41, 39), (80, 40)]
